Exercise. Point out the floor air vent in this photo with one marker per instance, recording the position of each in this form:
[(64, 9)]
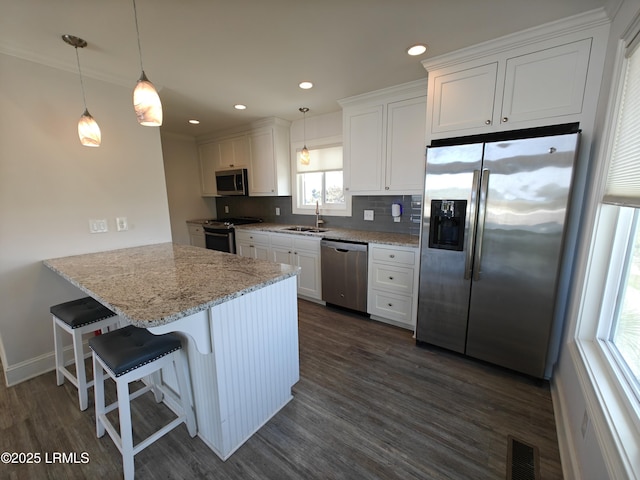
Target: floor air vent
[(523, 461)]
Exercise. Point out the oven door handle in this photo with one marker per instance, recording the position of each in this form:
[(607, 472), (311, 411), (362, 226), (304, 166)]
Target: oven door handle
[(211, 234)]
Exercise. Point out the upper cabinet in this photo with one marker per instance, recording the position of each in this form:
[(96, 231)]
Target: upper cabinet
[(536, 78), (270, 172), (262, 148), (235, 152), (384, 140)]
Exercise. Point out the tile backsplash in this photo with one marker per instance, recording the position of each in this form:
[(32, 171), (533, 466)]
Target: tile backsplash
[(265, 208)]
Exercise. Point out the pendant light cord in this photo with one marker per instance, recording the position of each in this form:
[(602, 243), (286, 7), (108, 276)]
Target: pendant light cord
[(84, 99), (135, 15)]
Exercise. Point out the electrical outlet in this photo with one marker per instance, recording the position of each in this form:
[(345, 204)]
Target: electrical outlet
[(226, 209), (98, 226), (121, 224), (585, 424), (368, 215), (277, 211)]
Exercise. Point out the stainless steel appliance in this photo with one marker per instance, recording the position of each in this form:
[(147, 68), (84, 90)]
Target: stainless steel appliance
[(232, 182), (344, 274), (492, 237), (220, 234)]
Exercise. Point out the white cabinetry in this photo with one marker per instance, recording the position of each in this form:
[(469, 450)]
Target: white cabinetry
[(299, 250), (196, 235), (393, 283), (261, 147), (384, 140), (252, 244), (235, 152), (303, 252), (537, 78), (209, 156), (269, 172)]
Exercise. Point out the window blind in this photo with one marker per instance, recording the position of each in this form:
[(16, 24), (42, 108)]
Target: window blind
[(623, 181), (322, 159)]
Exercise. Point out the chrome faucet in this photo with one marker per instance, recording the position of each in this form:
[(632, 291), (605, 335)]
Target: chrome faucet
[(318, 221)]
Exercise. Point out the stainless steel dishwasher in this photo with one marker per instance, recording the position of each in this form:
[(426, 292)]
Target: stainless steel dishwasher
[(344, 274)]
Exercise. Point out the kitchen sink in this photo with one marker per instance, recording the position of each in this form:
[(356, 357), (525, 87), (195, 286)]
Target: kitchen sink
[(305, 229)]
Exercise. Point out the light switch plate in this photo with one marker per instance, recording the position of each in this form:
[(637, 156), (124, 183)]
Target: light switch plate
[(368, 215), (98, 225), (121, 224), (277, 210)]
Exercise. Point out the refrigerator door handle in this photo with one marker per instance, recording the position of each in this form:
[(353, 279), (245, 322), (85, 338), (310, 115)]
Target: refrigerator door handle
[(482, 210), (468, 262)]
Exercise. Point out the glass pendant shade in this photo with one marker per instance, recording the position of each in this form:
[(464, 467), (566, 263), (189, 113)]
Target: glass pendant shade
[(88, 130), (146, 103), (305, 158)]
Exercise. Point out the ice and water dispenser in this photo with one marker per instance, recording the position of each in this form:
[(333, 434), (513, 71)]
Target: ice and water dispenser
[(447, 224)]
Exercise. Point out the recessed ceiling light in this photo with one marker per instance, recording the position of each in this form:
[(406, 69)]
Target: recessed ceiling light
[(194, 121), (417, 49), (305, 85), (239, 106)]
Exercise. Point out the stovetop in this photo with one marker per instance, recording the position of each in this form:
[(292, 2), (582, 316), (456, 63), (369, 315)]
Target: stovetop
[(230, 222)]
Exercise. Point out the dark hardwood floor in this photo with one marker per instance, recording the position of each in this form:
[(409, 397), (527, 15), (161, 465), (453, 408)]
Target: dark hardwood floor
[(370, 404)]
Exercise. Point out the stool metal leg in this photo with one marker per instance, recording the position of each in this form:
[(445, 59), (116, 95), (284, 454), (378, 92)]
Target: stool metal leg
[(57, 338), (81, 374), (126, 428), (98, 386)]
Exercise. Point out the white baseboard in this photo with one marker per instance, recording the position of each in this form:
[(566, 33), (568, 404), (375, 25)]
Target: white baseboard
[(570, 468), (30, 368)]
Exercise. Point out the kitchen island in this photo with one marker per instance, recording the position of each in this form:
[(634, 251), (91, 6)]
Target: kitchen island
[(238, 317)]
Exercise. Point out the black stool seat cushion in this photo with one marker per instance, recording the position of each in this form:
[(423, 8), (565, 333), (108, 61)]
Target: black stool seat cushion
[(128, 348), (81, 312)]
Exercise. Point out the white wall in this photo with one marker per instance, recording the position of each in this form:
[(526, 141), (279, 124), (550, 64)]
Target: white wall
[(594, 456), (182, 171), (50, 186)]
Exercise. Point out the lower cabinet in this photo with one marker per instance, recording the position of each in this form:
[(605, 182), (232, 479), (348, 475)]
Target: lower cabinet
[(252, 244), (393, 282), (196, 235), (303, 252)]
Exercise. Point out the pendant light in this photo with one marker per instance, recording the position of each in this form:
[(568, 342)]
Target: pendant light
[(305, 159), (146, 101), (88, 129)]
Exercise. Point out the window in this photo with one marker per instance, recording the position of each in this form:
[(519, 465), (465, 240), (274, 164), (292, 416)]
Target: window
[(620, 326), (320, 183), (625, 327), (607, 316)]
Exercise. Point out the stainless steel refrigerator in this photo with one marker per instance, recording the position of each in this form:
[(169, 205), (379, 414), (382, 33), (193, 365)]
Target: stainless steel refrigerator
[(491, 245)]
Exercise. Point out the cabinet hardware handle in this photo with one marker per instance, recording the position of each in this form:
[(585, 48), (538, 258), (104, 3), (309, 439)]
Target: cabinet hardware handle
[(346, 188), (505, 119), (552, 150), (390, 304), (386, 188), (390, 278), (232, 165), (487, 122), (392, 256)]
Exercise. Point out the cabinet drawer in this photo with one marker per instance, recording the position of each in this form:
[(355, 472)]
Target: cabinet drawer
[(391, 278), (391, 306), (393, 255), (281, 240), (312, 244), (251, 236), (195, 229)]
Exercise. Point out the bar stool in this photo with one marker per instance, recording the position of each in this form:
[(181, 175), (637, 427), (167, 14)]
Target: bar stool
[(128, 355), (77, 318)]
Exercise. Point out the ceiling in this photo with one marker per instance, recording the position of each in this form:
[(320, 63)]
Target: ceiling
[(207, 55)]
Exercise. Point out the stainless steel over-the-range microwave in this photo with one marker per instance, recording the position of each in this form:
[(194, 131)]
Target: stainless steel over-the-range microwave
[(232, 182)]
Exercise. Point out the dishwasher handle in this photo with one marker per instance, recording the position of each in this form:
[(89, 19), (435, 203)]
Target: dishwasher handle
[(343, 247)]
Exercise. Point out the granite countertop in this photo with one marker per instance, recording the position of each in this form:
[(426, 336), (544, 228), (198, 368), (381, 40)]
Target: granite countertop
[(154, 285), (400, 239)]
